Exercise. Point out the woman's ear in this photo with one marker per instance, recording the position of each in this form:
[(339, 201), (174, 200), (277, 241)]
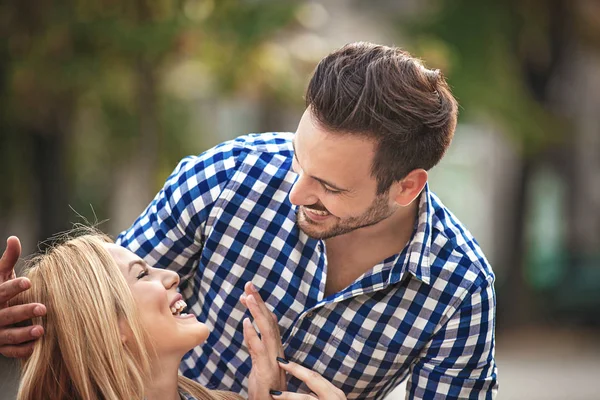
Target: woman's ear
[(124, 330)]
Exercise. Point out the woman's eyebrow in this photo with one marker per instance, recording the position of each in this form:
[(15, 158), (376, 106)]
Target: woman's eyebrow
[(132, 263)]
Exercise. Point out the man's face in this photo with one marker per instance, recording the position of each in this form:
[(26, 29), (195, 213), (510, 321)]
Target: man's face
[(335, 192)]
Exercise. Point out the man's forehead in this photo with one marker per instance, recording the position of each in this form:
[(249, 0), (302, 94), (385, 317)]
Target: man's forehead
[(343, 159), (312, 138)]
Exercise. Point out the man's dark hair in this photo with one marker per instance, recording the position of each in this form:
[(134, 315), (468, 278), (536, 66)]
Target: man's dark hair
[(388, 95)]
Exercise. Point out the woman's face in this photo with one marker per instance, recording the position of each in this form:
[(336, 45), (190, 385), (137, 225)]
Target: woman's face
[(159, 304)]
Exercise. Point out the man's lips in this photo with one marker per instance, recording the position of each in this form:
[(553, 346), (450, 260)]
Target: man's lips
[(316, 215)]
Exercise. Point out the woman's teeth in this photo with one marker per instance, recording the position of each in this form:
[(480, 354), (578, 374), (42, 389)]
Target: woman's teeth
[(178, 307)]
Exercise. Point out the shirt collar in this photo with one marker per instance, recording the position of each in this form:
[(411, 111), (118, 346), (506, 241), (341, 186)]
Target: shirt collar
[(415, 258)]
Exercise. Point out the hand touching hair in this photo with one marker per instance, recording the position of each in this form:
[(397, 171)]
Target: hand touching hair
[(95, 346)]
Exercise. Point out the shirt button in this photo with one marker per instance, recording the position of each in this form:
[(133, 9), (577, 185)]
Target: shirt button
[(310, 314)]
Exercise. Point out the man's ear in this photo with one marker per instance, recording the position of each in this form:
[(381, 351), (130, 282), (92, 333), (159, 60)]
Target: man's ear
[(409, 188)]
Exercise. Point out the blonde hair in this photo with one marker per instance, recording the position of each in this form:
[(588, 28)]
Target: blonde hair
[(81, 354)]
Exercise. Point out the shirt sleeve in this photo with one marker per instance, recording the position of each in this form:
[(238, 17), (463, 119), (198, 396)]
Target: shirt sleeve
[(169, 233), (458, 362)]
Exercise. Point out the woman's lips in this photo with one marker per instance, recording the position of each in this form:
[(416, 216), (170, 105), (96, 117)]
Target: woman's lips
[(185, 316), (177, 297)]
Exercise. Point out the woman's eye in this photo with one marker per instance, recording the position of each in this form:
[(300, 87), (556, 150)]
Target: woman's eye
[(143, 274)]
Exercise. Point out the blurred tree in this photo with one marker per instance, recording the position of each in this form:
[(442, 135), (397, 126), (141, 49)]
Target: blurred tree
[(510, 61), (84, 111)]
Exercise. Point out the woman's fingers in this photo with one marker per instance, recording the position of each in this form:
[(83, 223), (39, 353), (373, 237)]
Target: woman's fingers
[(265, 319), (255, 345), (266, 322), (292, 396), (320, 386), (250, 289), (270, 338)]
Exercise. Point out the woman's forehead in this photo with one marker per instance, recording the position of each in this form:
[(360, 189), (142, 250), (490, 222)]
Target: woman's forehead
[(121, 255)]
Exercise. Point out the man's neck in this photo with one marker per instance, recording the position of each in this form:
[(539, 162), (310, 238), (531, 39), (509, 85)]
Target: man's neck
[(163, 383), (351, 255), (394, 231)]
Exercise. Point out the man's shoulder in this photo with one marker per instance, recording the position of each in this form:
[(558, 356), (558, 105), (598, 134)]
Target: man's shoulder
[(222, 160), (268, 142), (455, 250)]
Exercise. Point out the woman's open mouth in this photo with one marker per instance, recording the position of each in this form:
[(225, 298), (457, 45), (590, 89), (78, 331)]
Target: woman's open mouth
[(178, 307)]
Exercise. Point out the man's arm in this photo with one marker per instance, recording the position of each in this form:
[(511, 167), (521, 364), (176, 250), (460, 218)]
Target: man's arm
[(16, 342), (168, 234), (458, 362)]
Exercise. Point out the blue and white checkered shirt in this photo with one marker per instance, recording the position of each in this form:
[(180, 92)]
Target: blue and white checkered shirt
[(224, 218), (185, 395)]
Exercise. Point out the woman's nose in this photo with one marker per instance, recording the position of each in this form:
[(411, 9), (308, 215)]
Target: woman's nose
[(170, 279)]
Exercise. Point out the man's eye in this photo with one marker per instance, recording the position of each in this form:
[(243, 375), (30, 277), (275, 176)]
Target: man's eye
[(331, 191), (143, 274)]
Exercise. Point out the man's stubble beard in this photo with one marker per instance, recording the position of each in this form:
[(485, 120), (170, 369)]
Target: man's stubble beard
[(377, 212)]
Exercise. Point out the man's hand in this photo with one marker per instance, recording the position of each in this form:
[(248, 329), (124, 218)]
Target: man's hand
[(264, 350), (16, 342)]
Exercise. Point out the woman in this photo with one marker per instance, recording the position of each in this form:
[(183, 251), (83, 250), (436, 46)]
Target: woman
[(115, 328)]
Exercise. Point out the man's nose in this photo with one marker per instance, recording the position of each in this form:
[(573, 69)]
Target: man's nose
[(302, 193)]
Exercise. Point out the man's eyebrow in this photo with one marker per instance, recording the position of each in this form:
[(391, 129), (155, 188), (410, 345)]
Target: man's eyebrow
[(321, 181), (132, 263)]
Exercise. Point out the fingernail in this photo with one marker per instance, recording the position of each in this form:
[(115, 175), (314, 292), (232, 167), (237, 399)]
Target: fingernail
[(24, 284), (253, 288), (36, 332), (38, 311), (251, 299), (275, 392), (282, 360)]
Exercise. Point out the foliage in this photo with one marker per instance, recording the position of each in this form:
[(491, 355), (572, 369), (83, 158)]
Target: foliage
[(485, 47), (93, 74)]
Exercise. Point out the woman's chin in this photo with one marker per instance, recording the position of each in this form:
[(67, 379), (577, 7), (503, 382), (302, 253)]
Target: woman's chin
[(203, 333), (179, 335), (192, 333)]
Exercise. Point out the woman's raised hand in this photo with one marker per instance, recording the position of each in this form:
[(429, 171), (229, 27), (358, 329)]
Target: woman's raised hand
[(321, 388), (266, 376)]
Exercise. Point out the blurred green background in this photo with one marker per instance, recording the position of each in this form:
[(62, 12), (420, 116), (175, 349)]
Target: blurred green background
[(99, 99)]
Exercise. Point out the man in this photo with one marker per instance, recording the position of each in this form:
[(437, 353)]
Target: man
[(372, 279)]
